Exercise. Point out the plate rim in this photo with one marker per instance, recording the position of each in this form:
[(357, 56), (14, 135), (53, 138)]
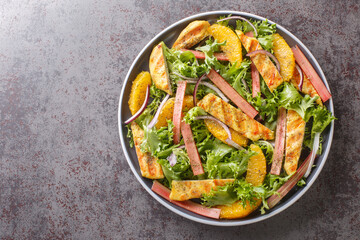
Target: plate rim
[(222, 222)]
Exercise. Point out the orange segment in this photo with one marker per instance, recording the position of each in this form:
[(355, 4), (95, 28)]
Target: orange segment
[(256, 170), (232, 49), (237, 210), (283, 53), (168, 110), (138, 91), (219, 132)]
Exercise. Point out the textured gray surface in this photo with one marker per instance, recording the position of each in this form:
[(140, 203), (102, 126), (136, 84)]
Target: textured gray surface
[(62, 170)]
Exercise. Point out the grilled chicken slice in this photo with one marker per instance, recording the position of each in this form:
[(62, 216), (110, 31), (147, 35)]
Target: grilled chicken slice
[(149, 166), (262, 62), (235, 118), (295, 131), (188, 189), (192, 34), (158, 69), (307, 87)]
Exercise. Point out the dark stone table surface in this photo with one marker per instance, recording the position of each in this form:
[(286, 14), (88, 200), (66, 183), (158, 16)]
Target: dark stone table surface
[(63, 174)]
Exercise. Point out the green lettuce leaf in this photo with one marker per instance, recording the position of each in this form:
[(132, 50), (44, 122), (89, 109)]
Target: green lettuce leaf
[(224, 161), (291, 99), (129, 135), (232, 192), (265, 32), (191, 115), (266, 42), (183, 63), (158, 142), (208, 49), (244, 191), (267, 149), (322, 118), (181, 170)]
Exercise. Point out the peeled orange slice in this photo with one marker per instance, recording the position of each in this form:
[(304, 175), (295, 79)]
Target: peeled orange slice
[(220, 133), (168, 110), (138, 91), (256, 171), (285, 56), (232, 49)]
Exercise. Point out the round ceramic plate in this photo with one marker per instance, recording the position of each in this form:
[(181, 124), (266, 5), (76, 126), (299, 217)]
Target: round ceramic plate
[(169, 35)]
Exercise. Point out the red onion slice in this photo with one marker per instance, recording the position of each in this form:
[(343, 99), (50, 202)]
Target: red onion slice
[(313, 153), (253, 53), (234, 144), (155, 118), (212, 87), (183, 77), (172, 158), (301, 76), (143, 107), (196, 88), (240, 18)]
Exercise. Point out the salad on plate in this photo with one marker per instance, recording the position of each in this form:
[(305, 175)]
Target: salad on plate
[(228, 119)]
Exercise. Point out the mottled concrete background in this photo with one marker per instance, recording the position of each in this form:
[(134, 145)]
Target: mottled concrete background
[(62, 171)]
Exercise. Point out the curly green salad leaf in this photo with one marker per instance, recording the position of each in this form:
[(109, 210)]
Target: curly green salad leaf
[(291, 99), (181, 170), (265, 32), (183, 63), (267, 149), (240, 190), (209, 49), (159, 142)]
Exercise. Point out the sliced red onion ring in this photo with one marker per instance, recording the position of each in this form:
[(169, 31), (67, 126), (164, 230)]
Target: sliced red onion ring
[(172, 158), (234, 144), (301, 76), (155, 119), (138, 113), (253, 53), (196, 88), (240, 18), (183, 77), (313, 153), (212, 87)]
